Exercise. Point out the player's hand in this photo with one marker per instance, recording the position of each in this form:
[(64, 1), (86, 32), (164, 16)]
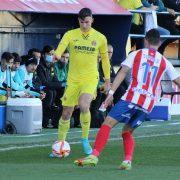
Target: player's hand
[(56, 58), (102, 89), (108, 101), (171, 11), (177, 21), (154, 8), (42, 95)]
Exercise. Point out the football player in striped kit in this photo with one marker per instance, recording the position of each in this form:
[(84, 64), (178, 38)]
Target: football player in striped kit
[(147, 68)]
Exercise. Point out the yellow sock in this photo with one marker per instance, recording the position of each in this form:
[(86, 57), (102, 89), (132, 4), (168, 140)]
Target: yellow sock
[(85, 119), (63, 128)]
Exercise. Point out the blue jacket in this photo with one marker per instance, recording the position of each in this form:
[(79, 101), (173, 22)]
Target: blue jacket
[(24, 79), (2, 79), (159, 3)]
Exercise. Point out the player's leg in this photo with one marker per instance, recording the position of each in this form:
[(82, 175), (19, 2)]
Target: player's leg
[(128, 144), (128, 140), (119, 113), (69, 100), (64, 122), (85, 119), (100, 142), (87, 93), (64, 125)]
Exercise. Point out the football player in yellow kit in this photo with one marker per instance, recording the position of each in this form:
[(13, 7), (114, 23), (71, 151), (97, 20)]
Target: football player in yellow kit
[(84, 45)]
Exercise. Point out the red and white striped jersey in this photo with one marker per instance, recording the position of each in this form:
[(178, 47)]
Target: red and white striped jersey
[(147, 68)]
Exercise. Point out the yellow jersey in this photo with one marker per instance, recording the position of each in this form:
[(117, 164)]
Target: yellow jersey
[(132, 5), (84, 49)]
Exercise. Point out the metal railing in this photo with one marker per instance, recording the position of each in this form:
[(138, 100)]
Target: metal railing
[(145, 12)]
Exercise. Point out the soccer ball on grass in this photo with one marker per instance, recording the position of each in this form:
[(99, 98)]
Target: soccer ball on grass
[(61, 149)]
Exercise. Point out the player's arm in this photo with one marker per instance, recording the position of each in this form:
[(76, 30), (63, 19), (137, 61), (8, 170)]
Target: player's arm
[(125, 67), (119, 77), (103, 50), (62, 45), (172, 73)]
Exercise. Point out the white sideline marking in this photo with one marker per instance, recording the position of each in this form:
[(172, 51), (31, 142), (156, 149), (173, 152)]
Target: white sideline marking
[(79, 131), (174, 123), (78, 142)]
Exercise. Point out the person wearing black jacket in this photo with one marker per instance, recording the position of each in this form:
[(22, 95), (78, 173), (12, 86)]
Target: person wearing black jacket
[(173, 4), (168, 22), (49, 83)]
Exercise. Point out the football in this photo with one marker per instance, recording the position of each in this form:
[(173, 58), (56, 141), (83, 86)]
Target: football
[(61, 149)]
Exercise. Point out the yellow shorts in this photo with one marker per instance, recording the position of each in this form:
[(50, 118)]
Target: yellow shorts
[(75, 89)]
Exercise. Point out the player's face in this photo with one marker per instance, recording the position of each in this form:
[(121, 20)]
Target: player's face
[(15, 66), (65, 58), (4, 64), (31, 68), (37, 55), (86, 23), (110, 52)]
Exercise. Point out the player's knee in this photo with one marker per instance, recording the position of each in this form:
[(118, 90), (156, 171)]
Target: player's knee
[(127, 128), (84, 108), (66, 115), (110, 122)]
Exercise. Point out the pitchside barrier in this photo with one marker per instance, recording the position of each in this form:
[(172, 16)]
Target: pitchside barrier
[(2, 116)]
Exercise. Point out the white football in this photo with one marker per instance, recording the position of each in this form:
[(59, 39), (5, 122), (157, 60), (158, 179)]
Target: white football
[(61, 149)]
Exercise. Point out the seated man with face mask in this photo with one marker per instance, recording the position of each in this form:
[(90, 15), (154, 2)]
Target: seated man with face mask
[(48, 81)]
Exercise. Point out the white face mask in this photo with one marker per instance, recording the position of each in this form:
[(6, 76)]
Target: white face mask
[(38, 61), (49, 58)]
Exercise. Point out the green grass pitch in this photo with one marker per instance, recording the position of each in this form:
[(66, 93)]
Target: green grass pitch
[(157, 155)]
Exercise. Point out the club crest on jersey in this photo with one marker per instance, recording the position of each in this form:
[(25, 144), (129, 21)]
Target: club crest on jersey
[(93, 43), (151, 58)]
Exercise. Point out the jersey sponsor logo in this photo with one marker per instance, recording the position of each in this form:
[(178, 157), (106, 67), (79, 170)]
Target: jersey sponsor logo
[(143, 91), (84, 48)]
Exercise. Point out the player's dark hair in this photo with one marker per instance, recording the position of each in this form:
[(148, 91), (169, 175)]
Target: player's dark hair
[(30, 60), (17, 58), (7, 56), (66, 51), (47, 49), (31, 51), (153, 37), (84, 12)]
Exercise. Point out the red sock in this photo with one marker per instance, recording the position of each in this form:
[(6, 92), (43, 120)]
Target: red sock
[(101, 139), (128, 142)]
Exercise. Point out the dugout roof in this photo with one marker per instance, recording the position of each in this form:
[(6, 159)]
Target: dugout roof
[(99, 7)]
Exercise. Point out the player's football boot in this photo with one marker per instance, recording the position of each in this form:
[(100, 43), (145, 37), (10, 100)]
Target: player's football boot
[(125, 165), (86, 146), (51, 155), (90, 160)]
